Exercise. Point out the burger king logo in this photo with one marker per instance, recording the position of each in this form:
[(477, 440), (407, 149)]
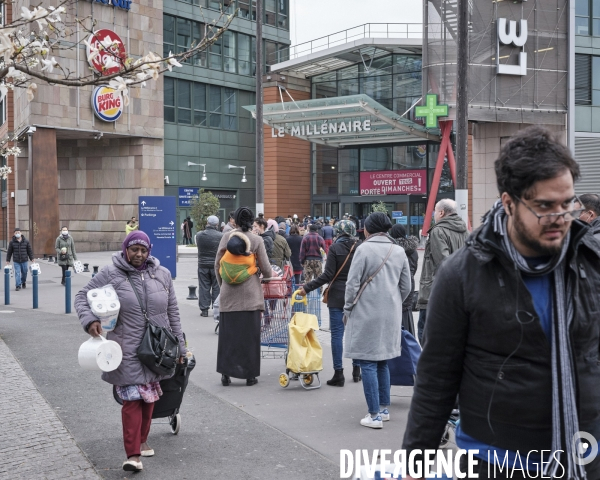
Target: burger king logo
[(107, 103)]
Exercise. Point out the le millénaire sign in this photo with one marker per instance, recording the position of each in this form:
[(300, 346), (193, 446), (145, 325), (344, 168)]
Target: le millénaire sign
[(124, 4), (393, 182), (326, 128)]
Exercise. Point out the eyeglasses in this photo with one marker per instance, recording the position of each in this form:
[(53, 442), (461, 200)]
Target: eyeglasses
[(550, 218)]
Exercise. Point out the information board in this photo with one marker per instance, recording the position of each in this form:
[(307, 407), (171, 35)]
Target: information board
[(158, 220)]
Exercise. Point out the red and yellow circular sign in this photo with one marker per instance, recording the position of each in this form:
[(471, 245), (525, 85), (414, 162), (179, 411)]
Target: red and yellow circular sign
[(107, 103), (111, 52)]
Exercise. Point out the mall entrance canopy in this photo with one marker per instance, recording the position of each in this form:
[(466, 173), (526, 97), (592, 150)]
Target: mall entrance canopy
[(342, 121)]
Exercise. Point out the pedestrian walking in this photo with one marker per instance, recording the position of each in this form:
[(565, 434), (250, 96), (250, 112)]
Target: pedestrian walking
[(138, 387), (512, 325), (335, 274), (241, 304), (283, 229), (294, 240), (446, 236), (184, 232), (328, 234), (131, 225), (310, 253), (281, 249), (230, 224), (409, 244), (259, 228), (65, 251), (19, 249), (378, 282), (591, 215), (188, 228), (207, 242)]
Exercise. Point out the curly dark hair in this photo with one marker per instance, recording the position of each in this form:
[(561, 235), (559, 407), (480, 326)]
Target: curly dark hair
[(531, 156), (244, 218)]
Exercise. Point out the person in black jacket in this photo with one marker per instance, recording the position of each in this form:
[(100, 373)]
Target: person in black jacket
[(19, 249), (341, 250), (295, 242), (409, 244), (207, 242), (513, 326)]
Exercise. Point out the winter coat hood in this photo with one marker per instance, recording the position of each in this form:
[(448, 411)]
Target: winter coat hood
[(452, 222), (409, 244)]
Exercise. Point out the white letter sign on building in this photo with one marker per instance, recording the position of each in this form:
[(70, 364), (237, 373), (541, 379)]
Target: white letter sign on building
[(511, 38)]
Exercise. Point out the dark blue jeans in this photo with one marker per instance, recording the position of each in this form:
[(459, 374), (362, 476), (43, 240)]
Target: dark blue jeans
[(376, 384), (20, 273), (421, 325), (337, 327)]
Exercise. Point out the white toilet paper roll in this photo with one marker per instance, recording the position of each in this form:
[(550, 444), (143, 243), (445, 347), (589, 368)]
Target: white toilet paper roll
[(112, 308), (109, 294), (92, 295), (97, 353), (99, 308)]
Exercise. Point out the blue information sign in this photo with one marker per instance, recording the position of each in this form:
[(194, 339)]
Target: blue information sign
[(186, 194), (397, 214), (158, 221), (416, 220), (402, 221)]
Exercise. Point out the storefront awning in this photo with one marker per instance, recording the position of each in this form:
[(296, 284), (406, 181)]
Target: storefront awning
[(343, 121)]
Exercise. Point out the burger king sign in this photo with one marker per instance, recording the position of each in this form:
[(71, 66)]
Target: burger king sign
[(107, 103)]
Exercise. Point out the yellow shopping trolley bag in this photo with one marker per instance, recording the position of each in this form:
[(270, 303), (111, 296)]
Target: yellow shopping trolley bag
[(304, 350)]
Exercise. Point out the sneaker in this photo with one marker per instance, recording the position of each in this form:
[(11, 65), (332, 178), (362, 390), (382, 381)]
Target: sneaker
[(385, 415), (18, 287), (204, 313), (371, 422), (24, 285)]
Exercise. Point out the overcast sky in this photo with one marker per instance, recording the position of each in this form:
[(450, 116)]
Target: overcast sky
[(311, 19)]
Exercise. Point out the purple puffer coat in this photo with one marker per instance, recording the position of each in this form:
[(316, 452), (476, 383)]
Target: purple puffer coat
[(155, 288)]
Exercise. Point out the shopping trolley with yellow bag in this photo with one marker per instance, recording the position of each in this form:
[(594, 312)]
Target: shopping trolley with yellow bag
[(304, 356)]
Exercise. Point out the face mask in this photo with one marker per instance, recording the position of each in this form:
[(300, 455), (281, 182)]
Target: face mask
[(18, 235), (65, 232)]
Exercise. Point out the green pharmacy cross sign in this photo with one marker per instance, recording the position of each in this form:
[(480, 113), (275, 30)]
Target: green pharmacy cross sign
[(431, 111)]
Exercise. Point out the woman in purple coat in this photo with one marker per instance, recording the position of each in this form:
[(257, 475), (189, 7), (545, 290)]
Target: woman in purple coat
[(136, 385)]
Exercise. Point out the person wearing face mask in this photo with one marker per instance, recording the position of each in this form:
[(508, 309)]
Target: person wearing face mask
[(65, 251), (19, 249), (136, 385)]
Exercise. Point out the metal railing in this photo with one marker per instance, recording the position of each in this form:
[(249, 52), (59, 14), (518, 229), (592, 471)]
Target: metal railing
[(368, 30)]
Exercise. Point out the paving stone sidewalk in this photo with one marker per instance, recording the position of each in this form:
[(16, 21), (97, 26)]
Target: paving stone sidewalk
[(34, 443)]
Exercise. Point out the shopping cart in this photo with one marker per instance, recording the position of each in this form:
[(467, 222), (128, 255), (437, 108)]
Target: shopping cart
[(314, 303), (276, 317), (306, 378)]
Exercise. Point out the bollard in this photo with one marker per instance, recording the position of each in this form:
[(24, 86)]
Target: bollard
[(95, 267), (45, 256), (50, 258), (68, 291), (86, 267), (35, 287), (7, 285), (55, 259), (192, 295)]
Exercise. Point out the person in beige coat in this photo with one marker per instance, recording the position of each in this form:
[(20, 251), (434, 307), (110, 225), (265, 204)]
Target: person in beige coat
[(241, 305)]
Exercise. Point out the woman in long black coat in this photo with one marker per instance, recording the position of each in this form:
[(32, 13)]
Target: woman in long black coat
[(410, 244)]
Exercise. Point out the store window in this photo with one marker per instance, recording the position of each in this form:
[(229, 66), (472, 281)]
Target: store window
[(229, 60), (230, 109), (377, 158), (348, 171), (215, 106), (169, 102), (184, 102)]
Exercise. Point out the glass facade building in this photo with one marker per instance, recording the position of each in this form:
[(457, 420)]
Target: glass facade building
[(204, 120)]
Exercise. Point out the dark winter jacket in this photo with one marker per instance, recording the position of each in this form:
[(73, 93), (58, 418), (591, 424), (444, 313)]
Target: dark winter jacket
[(445, 238), (410, 245), (269, 239), (338, 252), (328, 232), (500, 367), (155, 288), (207, 242), (19, 251), (281, 251), (295, 242), (595, 226)]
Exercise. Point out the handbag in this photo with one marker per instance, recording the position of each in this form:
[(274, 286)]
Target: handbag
[(159, 350), (404, 368), (364, 285), (326, 290)]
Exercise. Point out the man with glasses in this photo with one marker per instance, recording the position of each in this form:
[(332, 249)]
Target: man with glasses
[(513, 327), (591, 215)]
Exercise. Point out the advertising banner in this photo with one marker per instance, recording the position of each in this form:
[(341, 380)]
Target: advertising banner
[(158, 221), (393, 182)]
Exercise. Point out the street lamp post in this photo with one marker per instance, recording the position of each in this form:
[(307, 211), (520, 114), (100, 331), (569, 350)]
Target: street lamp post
[(204, 177), (260, 180), (244, 180)]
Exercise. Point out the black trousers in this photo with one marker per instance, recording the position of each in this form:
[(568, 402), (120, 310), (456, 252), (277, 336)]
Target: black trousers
[(64, 269), (208, 287)]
